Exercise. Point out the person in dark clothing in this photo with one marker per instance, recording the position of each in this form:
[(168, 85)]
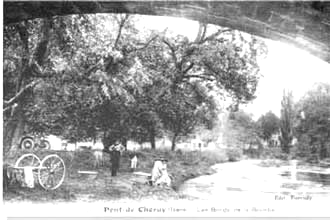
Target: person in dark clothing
[(115, 152)]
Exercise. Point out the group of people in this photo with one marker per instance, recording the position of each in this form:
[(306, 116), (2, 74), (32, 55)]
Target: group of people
[(159, 174)]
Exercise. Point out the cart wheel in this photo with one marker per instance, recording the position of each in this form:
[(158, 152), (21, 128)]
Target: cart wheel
[(28, 160), (27, 143), (52, 172), (44, 144)]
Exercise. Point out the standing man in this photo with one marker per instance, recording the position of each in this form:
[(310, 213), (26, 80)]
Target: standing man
[(115, 151)]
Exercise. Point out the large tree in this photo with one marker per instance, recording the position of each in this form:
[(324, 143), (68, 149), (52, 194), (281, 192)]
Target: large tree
[(185, 110), (26, 48), (220, 62), (146, 122), (79, 75), (225, 60), (76, 66)]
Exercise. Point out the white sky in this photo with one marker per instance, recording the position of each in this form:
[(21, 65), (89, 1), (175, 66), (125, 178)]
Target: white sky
[(285, 67)]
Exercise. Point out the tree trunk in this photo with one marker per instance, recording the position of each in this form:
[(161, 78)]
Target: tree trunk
[(14, 130), (8, 133), (124, 140), (19, 129), (153, 141), (174, 142), (323, 151)]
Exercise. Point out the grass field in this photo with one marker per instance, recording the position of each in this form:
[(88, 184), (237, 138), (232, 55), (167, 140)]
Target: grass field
[(82, 187)]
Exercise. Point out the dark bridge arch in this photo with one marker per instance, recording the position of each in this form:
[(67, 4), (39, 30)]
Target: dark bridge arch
[(303, 24)]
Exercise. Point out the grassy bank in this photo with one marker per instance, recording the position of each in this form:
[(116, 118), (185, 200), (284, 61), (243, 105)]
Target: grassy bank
[(181, 166)]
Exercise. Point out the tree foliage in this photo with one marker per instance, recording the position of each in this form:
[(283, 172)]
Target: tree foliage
[(241, 131), (80, 76), (81, 73), (286, 122), (269, 125), (188, 71), (185, 110), (26, 48), (313, 121)]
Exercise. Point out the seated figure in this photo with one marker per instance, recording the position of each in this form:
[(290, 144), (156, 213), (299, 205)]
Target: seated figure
[(159, 174)]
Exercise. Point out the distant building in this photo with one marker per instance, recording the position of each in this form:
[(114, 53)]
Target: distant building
[(275, 140)]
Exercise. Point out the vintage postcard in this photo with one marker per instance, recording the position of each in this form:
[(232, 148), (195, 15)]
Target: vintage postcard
[(166, 109)]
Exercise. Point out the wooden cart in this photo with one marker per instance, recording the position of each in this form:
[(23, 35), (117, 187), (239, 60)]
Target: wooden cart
[(49, 171)]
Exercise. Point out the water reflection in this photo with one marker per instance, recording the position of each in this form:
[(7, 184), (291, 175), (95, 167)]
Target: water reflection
[(323, 179), (260, 177)]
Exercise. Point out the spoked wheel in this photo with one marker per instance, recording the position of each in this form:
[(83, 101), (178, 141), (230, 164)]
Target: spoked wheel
[(28, 160), (28, 163), (27, 143), (52, 172)]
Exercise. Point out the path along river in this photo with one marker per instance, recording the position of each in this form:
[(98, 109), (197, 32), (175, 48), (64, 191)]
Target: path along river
[(259, 178), (253, 188)]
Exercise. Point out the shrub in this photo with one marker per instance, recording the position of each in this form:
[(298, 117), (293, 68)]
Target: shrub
[(213, 156), (234, 154), (253, 152)]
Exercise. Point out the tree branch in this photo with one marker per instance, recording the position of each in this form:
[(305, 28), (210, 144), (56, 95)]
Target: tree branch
[(210, 68), (92, 68), (213, 36), (36, 71), (7, 109), (188, 68), (42, 47), (198, 76), (24, 37), (201, 32), (121, 26), (21, 93), (145, 45), (33, 68), (11, 58), (175, 59), (204, 31)]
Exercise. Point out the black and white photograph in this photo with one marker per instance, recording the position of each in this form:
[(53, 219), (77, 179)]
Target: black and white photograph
[(166, 109)]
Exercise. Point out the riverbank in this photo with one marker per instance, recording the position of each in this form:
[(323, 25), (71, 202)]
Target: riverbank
[(76, 187), (260, 178)]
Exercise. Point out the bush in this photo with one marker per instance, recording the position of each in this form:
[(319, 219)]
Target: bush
[(213, 156), (273, 153), (234, 154), (253, 152)]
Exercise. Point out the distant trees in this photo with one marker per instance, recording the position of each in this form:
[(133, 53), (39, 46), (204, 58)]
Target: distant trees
[(286, 121), (308, 121), (269, 124), (313, 121), (241, 131)]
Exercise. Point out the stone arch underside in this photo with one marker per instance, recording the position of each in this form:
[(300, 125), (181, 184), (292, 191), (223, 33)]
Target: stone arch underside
[(303, 24)]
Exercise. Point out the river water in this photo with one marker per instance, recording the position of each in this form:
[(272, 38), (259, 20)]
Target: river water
[(259, 177)]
